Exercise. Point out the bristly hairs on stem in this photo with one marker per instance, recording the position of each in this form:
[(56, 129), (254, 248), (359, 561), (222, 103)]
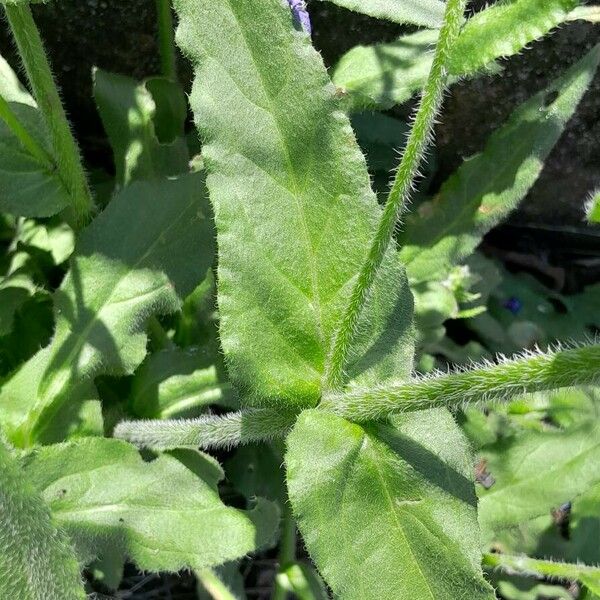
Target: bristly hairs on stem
[(69, 166), (226, 431), (530, 372), (402, 185), (534, 567)]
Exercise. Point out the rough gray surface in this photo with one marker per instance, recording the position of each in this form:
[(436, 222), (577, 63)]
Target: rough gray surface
[(120, 35)]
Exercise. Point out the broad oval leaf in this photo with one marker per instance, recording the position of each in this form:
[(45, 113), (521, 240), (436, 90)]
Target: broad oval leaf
[(386, 511), (429, 13), (37, 561), (141, 256), (294, 211), (488, 186), (109, 500)]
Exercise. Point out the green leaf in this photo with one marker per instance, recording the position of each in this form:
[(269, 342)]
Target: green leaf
[(584, 527), (429, 13), (29, 182), (144, 122), (505, 29), (15, 289), (109, 500), (387, 509), (383, 75), (536, 472), (489, 185), (256, 470), (174, 382), (37, 561), (592, 207), (380, 76), (146, 251), (294, 210)]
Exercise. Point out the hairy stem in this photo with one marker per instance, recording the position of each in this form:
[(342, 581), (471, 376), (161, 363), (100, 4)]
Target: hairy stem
[(28, 142), (213, 585), (585, 13), (232, 429), (166, 39), (540, 568), (33, 55), (418, 140), (531, 373), (287, 548)]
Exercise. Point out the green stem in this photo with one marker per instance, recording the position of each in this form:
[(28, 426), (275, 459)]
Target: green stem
[(232, 429), (418, 140), (287, 548), (552, 370), (158, 336), (213, 585), (540, 568), (166, 39), (33, 55), (29, 142)]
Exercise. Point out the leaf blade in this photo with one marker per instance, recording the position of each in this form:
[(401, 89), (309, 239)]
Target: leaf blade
[(127, 266), (277, 175), (370, 516), (439, 235), (107, 498)]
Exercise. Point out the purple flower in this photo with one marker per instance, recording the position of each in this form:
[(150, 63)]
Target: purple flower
[(301, 15), (514, 305)]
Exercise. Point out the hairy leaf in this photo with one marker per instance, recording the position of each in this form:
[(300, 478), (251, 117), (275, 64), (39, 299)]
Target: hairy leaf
[(592, 207), (489, 185), (37, 561), (536, 472), (294, 210), (418, 12), (15, 289), (385, 507), (176, 382), (145, 252), (134, 114), (29, 182), (109, 500), (584, 527), (505, 29), (385, 74)]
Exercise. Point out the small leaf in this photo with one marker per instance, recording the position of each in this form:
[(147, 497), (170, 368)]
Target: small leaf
[(37, 561), (177, 382), (386, 74), (489, 185), (29, 182), (429, 13), (109, 500), (136, 116), (387, 508), (146, 251), (592, 207), (294, 210)]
